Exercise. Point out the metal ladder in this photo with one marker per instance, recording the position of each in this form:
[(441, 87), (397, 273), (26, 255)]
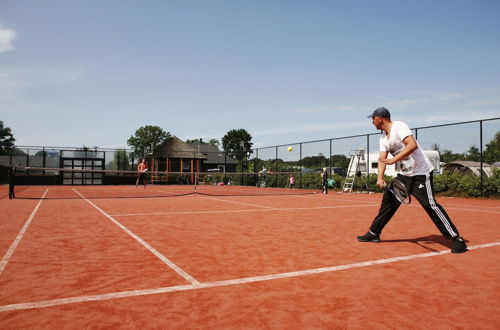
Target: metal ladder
[(351, 175)]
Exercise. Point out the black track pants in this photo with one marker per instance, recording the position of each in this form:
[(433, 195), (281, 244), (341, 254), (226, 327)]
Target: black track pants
[(420, 186)]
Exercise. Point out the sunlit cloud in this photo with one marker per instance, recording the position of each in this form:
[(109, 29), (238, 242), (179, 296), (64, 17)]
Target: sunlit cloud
[(7, 37), (405, 103), (15, 80), (312, 128)]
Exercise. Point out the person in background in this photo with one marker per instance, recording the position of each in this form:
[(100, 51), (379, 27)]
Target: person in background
[(324, 180), (142, 168), (291, 182)]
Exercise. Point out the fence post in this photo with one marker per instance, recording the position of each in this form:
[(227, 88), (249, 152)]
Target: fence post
[(367, 161), (330, 159), (276, 160), (43, 159), (300, 162), (481, 152)]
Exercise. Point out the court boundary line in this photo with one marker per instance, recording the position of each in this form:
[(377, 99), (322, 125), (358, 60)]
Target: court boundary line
[(471, 210), (244, 210), (155, 252), (20, 235), (244, 280), (242, 203)]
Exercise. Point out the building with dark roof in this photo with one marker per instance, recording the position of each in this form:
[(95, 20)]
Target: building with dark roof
[(216, 160)]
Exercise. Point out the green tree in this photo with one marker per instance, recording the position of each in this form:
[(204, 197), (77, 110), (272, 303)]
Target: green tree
[(447, 156), (120, 161), (491, 153), (200, 141), (213, 142), (146, 139), (340, 161), (237, 143), (473, 154), (6, 139), (314, 161)]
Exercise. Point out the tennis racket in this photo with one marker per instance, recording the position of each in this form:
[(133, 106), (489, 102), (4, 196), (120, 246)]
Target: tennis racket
[(399, 191)]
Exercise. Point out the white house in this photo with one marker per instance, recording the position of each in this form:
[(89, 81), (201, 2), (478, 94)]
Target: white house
[(391, 170)]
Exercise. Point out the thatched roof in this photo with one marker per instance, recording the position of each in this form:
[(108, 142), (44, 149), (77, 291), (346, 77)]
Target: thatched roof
[(213, 154), (176, 148)]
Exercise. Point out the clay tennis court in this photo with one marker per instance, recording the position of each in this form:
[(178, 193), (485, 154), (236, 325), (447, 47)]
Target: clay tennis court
[(276, 261)]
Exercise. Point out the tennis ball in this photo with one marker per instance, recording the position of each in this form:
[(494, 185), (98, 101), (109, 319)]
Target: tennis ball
[(290, 148)]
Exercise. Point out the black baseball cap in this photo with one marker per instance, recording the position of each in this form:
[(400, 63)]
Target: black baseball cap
[(380, 112)]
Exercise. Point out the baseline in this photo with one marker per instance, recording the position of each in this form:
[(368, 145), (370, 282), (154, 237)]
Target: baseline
[(245, 280)]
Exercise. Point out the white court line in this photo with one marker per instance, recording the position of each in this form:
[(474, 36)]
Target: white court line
[(474, 205), (446, 206), (20, 235), (238, 281), (246, 210), (476, 210), (160, 256), (339, 199), (228, 201)]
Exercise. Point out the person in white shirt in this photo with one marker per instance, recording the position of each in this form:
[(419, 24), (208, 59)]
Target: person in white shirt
[(415, 173)]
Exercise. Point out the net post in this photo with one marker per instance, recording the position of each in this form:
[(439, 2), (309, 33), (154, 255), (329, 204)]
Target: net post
[(11, 182)]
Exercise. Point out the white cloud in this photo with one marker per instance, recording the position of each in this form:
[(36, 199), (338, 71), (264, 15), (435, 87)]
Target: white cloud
[(15, 80), (7, 37), (330, 109), (409, 102), (313, 128), (484, 102)]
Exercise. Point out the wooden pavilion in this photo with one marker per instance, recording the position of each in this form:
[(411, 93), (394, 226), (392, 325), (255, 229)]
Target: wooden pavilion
[(175, 155)]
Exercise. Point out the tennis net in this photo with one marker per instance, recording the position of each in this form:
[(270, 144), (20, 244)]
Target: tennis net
[(71, 183)]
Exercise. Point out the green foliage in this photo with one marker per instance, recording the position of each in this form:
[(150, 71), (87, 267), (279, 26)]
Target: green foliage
[(121, 161), (213, 142), (448, 156), (6, 139), (145, 139), (340, 161), (319, 161), (237, 143), (473, 154), (467, 185), (491, 152)]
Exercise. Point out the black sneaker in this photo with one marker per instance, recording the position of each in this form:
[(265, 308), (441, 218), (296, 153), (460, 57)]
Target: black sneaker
[(369, 237), (459, 245)]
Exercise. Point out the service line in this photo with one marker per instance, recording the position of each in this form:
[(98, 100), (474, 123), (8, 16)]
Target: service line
[(253, 279)]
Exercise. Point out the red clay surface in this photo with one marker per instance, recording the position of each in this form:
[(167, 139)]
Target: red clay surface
[(118, 259)]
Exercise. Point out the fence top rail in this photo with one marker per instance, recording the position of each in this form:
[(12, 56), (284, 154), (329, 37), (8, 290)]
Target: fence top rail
[(72, 148), (370, 134), (458, 123), (261, 148)]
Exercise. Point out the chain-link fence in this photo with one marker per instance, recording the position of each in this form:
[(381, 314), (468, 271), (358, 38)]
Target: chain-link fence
[(473, 141)]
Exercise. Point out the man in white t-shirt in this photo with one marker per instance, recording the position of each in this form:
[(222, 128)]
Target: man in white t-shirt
[(415, 173)]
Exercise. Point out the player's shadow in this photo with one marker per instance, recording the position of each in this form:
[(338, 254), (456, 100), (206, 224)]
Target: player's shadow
[(426, 242)]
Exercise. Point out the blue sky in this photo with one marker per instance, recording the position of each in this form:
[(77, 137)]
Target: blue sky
[(90, 73)]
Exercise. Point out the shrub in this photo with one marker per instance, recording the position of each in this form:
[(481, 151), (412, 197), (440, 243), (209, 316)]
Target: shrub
[(467, 185)]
